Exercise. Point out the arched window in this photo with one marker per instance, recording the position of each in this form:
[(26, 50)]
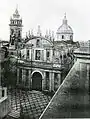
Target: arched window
[(38, 43), (64, 56), (37, 55), (27, 53), (62, 36), (48, 53)]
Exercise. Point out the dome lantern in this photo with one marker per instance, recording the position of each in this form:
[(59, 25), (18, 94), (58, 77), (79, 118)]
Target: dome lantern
[(65, 19)]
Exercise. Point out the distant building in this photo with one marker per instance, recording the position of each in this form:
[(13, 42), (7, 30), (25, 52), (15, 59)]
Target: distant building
[(15, 32), (84, 51), (4, 105)]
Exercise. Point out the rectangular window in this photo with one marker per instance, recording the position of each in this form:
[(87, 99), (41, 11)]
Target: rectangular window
[(62, 36), (48, 53), (38, 43), (2, 93), (37, 55), (27, 53)]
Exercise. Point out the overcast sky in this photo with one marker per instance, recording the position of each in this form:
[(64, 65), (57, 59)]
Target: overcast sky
[(48, 14)]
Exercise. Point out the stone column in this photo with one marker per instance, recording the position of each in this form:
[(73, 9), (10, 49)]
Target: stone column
[(5, 93), (23, 76), (50, 81), (42, 55), (51, 55), (30, 81), (30, 54), (59, 79), (45, 55), (33, 54), (43, 81)]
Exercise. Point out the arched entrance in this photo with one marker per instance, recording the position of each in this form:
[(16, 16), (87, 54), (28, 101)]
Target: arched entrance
[(37, 81)]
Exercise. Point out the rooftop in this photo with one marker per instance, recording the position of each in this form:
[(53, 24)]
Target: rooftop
[(72, 98)]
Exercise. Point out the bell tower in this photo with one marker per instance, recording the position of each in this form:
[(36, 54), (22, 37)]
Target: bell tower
[(15, 30)]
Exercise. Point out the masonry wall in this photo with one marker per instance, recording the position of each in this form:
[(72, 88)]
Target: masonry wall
[(4, 107)]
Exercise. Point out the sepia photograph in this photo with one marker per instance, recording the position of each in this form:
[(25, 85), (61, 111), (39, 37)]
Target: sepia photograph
[(44, 59)]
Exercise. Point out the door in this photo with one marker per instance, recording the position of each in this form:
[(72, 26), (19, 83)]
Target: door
[(37, 81)]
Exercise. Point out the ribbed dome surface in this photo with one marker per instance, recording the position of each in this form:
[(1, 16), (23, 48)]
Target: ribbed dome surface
[(65, 28)]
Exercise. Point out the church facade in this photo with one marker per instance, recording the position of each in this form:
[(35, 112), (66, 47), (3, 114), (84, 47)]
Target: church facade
[(42, 61)]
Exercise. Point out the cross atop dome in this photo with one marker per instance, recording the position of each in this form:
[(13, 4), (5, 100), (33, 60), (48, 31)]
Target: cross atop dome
[(65, 15), (39, 31)]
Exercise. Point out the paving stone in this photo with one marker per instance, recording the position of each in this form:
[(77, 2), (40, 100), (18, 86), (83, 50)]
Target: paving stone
[(33, 103)]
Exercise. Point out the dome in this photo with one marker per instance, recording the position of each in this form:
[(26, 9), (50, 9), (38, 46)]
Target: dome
[(64, 28)]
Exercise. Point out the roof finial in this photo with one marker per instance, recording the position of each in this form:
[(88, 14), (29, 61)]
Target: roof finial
[(65, 19), (65, 15), (39, 31), (17, 6), (46, 35), (31, 32), (26, 35), (16, 14)]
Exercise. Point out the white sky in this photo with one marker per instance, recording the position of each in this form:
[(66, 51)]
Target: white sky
[(48, 14)]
